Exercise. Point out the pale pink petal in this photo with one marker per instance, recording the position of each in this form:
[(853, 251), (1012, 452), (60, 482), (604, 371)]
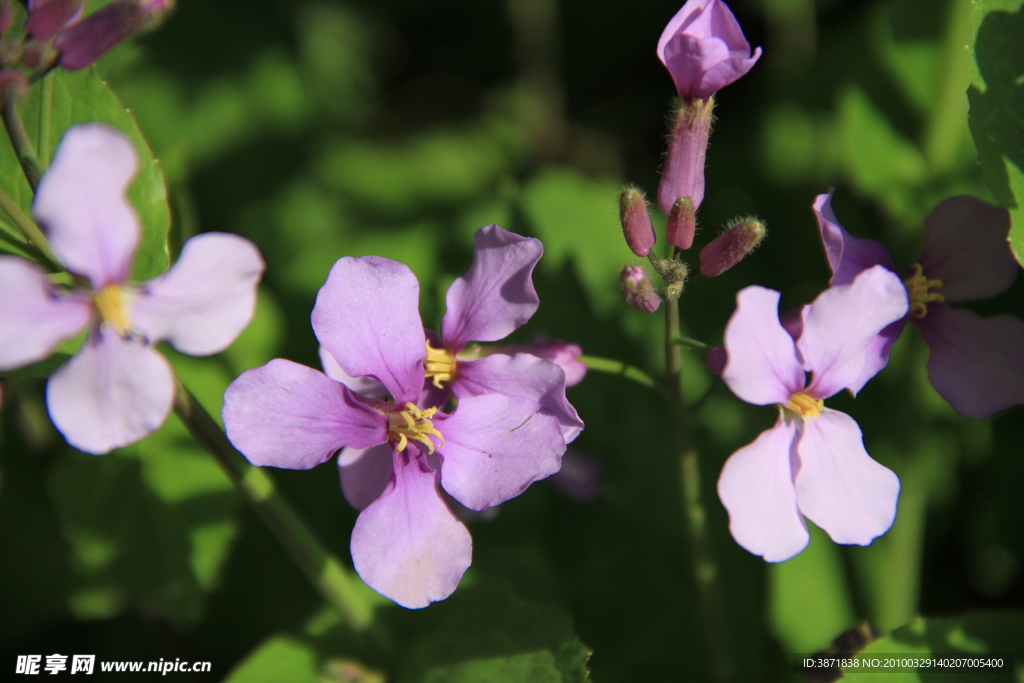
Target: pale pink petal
[(966, 247), (679, 22), (564, 353), (112, 393), (367, 316), (496, 294), (206, 299), (81, 203), (847, 255), (33, 318), (407, 545), (756, 487), (839, 487), (364, 386), (287, 415), (876, 355), (495, 446), (365, 473), (977, 364), (841, 324), (763, 366)]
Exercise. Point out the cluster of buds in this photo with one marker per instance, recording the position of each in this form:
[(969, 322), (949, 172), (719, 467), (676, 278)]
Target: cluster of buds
[(56, 33), (704, 50)]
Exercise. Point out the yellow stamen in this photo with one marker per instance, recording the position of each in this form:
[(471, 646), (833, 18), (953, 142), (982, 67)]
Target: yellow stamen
[(917, 289), (412, 424), (440, 365), (804, 405), (111, 307)]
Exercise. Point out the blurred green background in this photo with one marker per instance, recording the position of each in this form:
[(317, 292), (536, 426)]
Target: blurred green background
[(323, 129)]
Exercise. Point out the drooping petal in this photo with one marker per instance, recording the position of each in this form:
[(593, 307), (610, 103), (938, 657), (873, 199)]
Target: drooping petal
[(367, 316), (364, 386), (112, 393), (33, 319), (763, 366), (841, 324), (965, 246), (496, 294), (537, 379), (756, 487), (977, 364), (206, 299), (81, 203), (365, 473), (407, 545), (839, 487), (287, 415), (847, 255), (495, 446)]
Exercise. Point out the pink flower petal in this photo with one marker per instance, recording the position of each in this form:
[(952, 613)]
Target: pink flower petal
[(33, 319), (367, 316), (763, 366), (81, 203), (965, 246), (839, 487), (876, 355), (756, 487), (112, 393), (841, 324), (364, 386), (496, 294), (206, 299), (287, 415), (977, 364), (537, 379), (847, 255), (494, 447), (407, 545), (565, 354), (365, 473)]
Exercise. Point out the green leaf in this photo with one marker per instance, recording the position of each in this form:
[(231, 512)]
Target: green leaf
[(277, 659), (997, 105), (63, 99), (973, 634)]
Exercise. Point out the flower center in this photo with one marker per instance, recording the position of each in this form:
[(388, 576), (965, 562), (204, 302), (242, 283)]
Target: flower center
[(439, 365), (412, 424), (110, 305), (804, 405), (917, 289)]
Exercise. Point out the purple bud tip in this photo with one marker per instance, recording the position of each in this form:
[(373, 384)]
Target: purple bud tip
[(682, 223), (683, 173), (717, 358), (729, 248), (47, 17), (636, 222), (636, 287), (84, 42)]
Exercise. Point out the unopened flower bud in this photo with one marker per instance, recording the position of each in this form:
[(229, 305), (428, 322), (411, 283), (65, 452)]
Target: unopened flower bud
[(636, 287), (729, 248), (47, 17), (84, 42), (682, 223), (717, 359), (636, 222), (683, 174)]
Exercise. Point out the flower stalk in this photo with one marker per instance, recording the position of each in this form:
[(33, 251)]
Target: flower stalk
[(20, 141), (33, 234)]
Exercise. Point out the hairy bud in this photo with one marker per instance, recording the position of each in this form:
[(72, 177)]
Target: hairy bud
[(683, 174), (84, 42), (729, 248), (636, 287), (682, 224), (636, 222)]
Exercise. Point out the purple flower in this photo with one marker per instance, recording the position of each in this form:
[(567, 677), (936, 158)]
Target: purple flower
[(117, 388), (975, 363), (704, 49), (812, 463), (399, 453)]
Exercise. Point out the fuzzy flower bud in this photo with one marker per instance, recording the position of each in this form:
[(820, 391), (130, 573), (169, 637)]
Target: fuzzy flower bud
[(683, 175), (682, 224), (704, 49), (729, 248), (636, 222), (636, 287), (84, 42), (47, 17)]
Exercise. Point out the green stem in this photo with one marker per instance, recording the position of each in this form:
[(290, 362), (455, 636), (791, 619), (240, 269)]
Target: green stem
[(45, 116), (323, 570), (30, 230), (945, 128), (21, 143), (691, 344), (705, 573), (617, 367)]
